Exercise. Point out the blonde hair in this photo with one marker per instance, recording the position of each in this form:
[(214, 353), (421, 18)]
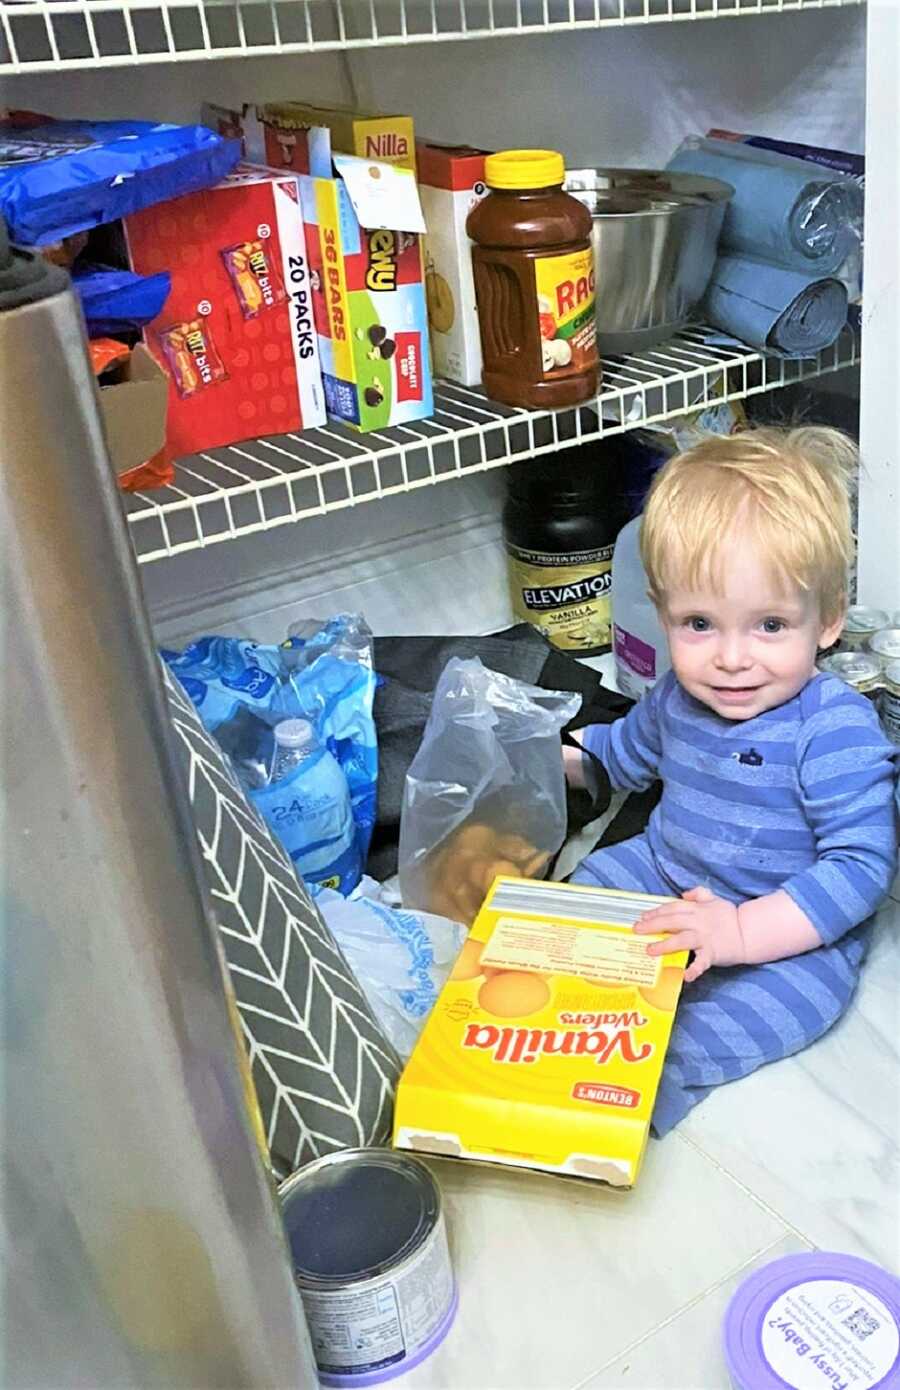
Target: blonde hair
[(790, 488)]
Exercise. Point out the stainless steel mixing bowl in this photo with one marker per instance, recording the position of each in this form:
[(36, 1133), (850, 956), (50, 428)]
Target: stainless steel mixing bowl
[(655, 237)]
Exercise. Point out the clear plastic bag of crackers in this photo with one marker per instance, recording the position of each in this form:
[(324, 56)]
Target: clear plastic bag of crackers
[(485, 793)]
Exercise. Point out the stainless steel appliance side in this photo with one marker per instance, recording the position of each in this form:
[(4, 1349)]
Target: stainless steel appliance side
[(142, 1242)]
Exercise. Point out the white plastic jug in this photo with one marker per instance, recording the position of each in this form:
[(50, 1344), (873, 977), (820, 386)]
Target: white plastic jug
[(641, 649)]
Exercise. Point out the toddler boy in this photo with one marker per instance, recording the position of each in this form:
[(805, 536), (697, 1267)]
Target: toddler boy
[(776, 827)]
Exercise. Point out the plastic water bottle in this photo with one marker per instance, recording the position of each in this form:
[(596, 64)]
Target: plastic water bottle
[(295, 741), (307, 805), (639, 643)]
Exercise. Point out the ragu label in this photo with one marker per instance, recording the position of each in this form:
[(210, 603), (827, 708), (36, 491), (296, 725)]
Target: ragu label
[(566, 298), (408, 360)]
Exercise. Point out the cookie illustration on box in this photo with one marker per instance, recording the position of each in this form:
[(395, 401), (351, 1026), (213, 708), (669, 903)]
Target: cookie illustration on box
[(441, 309), (383, 347)]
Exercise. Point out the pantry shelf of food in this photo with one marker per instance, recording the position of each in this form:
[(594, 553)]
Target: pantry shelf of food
[(51, 35), (260, 484)]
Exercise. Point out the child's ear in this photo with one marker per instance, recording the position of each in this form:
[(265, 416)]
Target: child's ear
[(830, 633)]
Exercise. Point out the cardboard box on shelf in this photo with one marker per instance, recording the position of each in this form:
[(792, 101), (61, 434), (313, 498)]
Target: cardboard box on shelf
[(236, 336), (277, 133), (133, 406), (363, 229), (546, 1045), (451, 183)]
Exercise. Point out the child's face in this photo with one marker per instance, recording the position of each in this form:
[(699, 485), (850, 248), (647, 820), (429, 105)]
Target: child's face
[(749, 649)]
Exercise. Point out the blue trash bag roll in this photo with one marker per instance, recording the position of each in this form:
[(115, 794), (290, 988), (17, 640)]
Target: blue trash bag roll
[(118, 301), (63, 177), (774, 309), (784, 210)]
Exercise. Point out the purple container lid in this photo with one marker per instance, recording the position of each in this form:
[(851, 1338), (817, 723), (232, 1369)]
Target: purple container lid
[(819, 1321)]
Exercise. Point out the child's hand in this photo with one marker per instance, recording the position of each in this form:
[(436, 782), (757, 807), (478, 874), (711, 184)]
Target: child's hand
[(573, 766), (698, 922)]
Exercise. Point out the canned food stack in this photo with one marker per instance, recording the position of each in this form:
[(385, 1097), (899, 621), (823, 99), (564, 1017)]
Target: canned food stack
[(868, 659)]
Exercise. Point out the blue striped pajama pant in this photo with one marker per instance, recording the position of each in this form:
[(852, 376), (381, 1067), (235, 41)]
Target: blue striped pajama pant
[(731, 1021)]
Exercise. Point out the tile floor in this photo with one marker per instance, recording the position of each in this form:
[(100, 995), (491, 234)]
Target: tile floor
[(570, 1287)]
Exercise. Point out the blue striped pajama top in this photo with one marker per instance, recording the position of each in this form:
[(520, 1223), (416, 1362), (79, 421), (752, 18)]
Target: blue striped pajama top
[(799, 798)]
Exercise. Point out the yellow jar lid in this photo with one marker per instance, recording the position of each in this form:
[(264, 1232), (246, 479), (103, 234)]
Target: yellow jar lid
[(524, 169)]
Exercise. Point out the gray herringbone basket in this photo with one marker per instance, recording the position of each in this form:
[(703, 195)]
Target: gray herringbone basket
[(324, 1072)]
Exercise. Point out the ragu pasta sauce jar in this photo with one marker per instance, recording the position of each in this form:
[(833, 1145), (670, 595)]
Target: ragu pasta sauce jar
[(534, 283)]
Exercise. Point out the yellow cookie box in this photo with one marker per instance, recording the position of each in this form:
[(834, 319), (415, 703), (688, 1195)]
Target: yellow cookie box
[(546, 1045)]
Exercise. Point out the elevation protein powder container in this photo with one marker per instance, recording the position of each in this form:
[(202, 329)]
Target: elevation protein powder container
[(534, 283), (816, 1321), (559, 530)]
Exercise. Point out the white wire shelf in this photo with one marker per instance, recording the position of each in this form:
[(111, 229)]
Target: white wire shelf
[(264, 483), (55, 35)]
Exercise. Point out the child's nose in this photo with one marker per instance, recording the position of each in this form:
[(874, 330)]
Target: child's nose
[(731, 653)]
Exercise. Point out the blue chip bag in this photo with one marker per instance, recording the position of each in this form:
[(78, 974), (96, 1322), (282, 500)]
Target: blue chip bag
[(62, 177), (118, 301)]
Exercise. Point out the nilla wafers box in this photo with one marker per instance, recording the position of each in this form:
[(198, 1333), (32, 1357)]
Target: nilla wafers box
[(546, 1045)]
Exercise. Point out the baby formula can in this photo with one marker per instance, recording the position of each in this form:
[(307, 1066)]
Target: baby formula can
[(369, 1248), (885, 644), (890, 702), (860, 669), (811, 1321), (861, 624)]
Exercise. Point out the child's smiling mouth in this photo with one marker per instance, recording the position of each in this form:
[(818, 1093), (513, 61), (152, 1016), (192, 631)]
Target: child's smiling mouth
[(735, 694)]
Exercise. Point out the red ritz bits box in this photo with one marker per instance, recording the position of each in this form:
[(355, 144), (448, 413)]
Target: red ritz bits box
[(237, 336)]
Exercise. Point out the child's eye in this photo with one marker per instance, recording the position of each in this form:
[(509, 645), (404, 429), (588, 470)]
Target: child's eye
[(698, 624), (773, 625)]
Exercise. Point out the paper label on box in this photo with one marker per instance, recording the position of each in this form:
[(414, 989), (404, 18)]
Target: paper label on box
[(588, 952), (382, 194)]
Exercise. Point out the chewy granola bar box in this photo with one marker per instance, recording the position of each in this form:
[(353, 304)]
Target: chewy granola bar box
[(236, 335), (364, 229), (546, 1045)]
